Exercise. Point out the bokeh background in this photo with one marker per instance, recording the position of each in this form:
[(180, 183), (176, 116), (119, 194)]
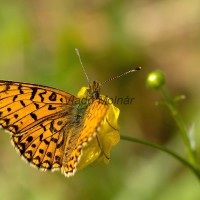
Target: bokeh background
[(37, 42)]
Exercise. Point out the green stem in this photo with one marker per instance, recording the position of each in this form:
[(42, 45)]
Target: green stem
[(168, 151), (180, 123)]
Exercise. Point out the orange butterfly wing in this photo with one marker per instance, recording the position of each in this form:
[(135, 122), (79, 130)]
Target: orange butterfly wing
[(37, 117), (94, 116)]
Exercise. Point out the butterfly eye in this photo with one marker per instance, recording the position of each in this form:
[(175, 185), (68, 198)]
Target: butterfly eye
[(95, 95)]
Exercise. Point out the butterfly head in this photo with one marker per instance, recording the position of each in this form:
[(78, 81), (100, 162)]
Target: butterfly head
[(94, 90)]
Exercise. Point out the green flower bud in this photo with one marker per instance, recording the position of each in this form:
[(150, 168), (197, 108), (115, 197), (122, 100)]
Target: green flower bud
[(155, 80)]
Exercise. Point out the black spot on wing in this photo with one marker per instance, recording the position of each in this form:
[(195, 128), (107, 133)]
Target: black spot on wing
[(29, 139), (33, 145), (53, 96), (52, 128), (55, 140), (60, 144), (41, 136), (59, 123), (57, 158), (7, 121), (15, 97), (51, 107), (21, 147), (7, 85), (34, 91), (16, 116), (44, 129), (34, 116), (41, 151), (46, 142), (49, 154), (41, 95), (36, 105), (22, 103), (20, 89)]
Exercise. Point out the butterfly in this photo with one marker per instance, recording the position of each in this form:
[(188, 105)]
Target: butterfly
[(50, 127), (47, 126)]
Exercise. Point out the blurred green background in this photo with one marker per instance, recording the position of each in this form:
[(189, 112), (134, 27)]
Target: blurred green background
[(37, 42)]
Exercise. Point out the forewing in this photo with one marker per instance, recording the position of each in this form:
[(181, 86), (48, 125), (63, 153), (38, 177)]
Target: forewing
[(23, 106)]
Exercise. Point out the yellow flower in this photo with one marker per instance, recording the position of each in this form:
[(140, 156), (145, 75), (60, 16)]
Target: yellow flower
[(99, 147)]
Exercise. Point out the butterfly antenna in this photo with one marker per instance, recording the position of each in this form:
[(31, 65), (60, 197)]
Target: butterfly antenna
[(78, 54), (118, 76)]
